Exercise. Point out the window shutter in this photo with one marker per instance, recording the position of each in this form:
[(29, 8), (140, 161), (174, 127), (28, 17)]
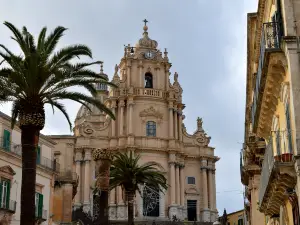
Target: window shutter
[(8, 194), (6, 140), (288, 127), (38, 155), (40, 206)]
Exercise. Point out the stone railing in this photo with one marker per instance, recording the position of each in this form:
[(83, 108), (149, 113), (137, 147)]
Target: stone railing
[(150, 92)]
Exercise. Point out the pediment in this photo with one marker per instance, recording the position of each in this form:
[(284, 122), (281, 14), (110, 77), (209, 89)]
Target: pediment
[(151, 112), (192, 191), (8, 170)]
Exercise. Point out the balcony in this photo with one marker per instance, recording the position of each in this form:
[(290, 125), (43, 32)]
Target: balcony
[(16, 149), (9, 206), (249, 166), (66, 177), (270, 75), (278, 174)]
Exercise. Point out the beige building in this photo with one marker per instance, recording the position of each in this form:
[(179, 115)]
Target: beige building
[(270, 156), (11, 175), (149, 121)]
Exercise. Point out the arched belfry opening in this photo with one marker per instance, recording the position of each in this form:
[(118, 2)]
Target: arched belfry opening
[(148, 80)]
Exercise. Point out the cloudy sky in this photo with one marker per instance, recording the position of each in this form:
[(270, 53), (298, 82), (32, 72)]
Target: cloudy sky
[(206, 41)]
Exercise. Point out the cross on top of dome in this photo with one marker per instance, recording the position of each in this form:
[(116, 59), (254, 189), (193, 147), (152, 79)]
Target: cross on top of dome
[(145, 41)]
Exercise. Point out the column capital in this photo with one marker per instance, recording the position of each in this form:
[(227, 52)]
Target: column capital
[(87, 154), (172, 163), (113, 104), (122, 103), (78, 156), (102, 153)]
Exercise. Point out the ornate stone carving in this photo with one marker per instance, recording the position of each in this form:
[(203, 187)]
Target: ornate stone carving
[(151, 112), (102, 153)]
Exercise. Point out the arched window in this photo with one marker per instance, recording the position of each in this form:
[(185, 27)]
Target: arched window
[(148, 80), (151, 129)]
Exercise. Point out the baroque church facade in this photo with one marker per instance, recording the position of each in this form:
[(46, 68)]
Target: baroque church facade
[(149, 122)]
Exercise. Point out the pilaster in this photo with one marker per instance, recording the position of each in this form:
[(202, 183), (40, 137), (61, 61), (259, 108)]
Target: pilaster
[(87, 174), (205, 210), (78, 160)]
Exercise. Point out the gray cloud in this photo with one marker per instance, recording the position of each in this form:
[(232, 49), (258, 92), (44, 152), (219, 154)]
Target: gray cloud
[(206, 40)]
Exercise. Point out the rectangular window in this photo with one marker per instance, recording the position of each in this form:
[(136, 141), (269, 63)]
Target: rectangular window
[(4, 194), (240, 222), (38, 205), (191, 180), (6, 140), (38, 155), (151, 129)]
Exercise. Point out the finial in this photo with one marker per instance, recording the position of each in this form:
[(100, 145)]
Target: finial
[(116, 69), (145, 26), (101, 67)]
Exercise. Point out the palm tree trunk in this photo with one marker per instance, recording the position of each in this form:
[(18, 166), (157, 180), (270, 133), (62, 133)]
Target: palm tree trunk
[(29, 140), (103, 211), (130, 197)]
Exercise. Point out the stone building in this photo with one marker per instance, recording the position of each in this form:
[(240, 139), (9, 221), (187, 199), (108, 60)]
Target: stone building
[(149, 121), (11, 175), (270, 155)]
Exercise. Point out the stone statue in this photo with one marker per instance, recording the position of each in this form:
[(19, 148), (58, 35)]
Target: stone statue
[(199, 123), (116, 68), (224, 218), (176, 77)]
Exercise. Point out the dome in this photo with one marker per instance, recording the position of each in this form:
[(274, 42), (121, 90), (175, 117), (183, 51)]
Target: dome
[(83, 111), (145, 41)]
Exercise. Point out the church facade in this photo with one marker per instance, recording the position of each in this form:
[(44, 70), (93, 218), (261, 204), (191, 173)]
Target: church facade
[(149, 122)]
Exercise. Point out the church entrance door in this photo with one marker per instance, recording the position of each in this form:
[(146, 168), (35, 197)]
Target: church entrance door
[(151, 202), (192, 210)]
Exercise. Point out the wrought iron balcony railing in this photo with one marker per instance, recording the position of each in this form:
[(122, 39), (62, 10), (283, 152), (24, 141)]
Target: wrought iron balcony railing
[(278, 144), (270, 41), (17, 150), (9, 205)]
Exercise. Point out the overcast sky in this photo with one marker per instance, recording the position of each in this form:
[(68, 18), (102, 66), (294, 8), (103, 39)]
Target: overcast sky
[(206, 41)]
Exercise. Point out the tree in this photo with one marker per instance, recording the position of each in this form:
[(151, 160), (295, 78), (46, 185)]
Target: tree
[(127, 173), (37, 77)]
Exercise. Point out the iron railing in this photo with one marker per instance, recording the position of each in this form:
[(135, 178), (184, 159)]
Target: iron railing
[(270, 41), (10, 205), (278, 144), (17, 150)]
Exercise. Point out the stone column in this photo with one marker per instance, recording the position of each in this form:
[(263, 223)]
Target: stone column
[(113, 196), (177, 184), (205, 210), (162, 205), (172, 182), (87, 173), (113, 122), (128, 74), (181, 185), (171, 131), (176, 122), (211, 189), (140, 204), (119, 195), (140, 66), (121, 129), (180, 124), (78, 159), (130, 125)]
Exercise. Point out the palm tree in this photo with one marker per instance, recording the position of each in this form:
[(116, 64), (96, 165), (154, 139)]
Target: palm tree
[(37, 77), (127, 173)]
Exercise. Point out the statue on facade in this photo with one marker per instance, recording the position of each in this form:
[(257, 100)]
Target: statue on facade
[(224, 218), (199, 123)]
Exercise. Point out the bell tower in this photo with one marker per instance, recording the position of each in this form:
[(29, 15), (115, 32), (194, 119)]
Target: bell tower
[(145, 94)]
